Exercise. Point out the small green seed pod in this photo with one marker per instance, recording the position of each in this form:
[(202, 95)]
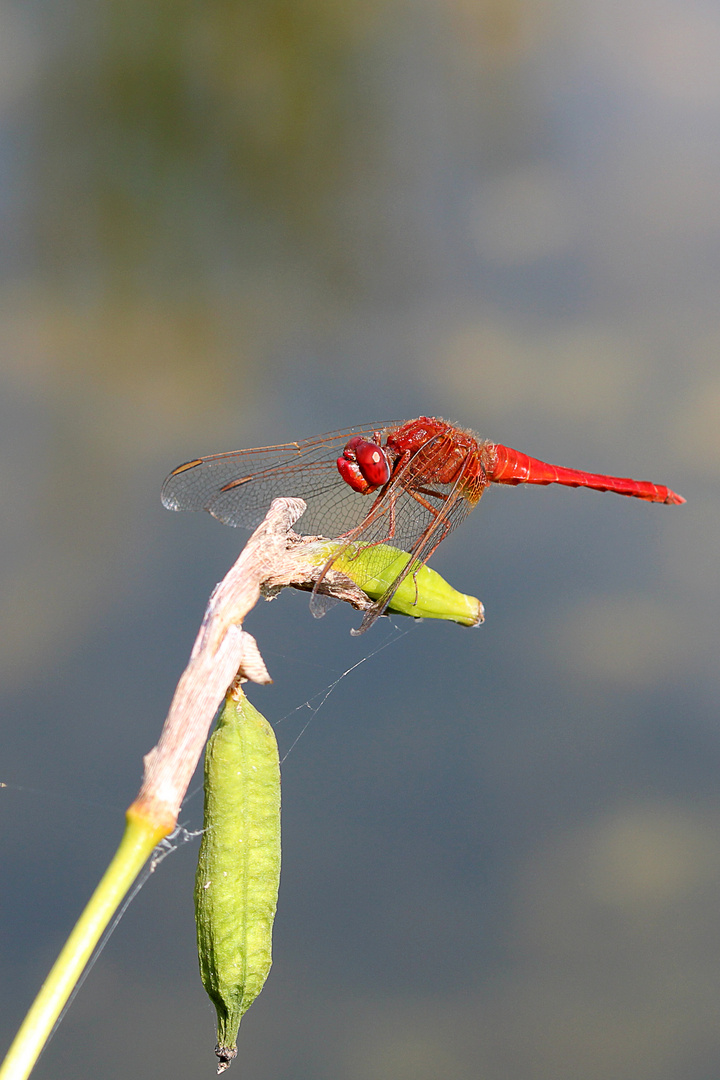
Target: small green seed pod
[(238, 872), (424, 594)]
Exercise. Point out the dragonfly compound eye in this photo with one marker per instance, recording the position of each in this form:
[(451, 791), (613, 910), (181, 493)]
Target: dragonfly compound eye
[(363, 465), (372, 462)]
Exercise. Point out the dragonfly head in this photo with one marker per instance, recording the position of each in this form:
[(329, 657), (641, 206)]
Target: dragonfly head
[(364, 465)]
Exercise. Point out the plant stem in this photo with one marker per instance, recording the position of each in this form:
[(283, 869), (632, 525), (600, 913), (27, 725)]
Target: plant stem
[(139, 839), (223, 652)]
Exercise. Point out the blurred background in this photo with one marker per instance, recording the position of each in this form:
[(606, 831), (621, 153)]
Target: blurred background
[(232, 224)]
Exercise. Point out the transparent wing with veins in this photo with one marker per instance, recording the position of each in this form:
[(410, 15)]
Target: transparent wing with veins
[(411, 513), (238, 487)]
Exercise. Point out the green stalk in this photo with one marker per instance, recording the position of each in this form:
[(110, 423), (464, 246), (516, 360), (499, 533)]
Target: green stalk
[(139, 839)]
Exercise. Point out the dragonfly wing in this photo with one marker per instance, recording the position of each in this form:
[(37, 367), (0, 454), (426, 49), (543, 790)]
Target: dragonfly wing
[(238, 487)]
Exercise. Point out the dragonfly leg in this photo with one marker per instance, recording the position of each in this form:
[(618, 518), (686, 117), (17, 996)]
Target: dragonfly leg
[(429, 491), (418, 496)]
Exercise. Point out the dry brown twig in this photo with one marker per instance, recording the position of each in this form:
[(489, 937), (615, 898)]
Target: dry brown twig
[(274, 557)]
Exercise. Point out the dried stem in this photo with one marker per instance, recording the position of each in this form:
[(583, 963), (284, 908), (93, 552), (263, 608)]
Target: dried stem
[(273, 557)]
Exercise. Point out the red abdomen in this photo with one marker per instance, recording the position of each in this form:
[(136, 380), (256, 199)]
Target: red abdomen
[(513, 467)]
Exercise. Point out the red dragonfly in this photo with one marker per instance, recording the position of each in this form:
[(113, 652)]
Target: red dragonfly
[(408, 485)]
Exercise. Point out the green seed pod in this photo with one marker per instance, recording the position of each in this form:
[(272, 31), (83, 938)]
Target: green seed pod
[(423, 594), (236, 886)]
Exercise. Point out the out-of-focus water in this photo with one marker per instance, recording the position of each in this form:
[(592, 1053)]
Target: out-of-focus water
[(230, 225)]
